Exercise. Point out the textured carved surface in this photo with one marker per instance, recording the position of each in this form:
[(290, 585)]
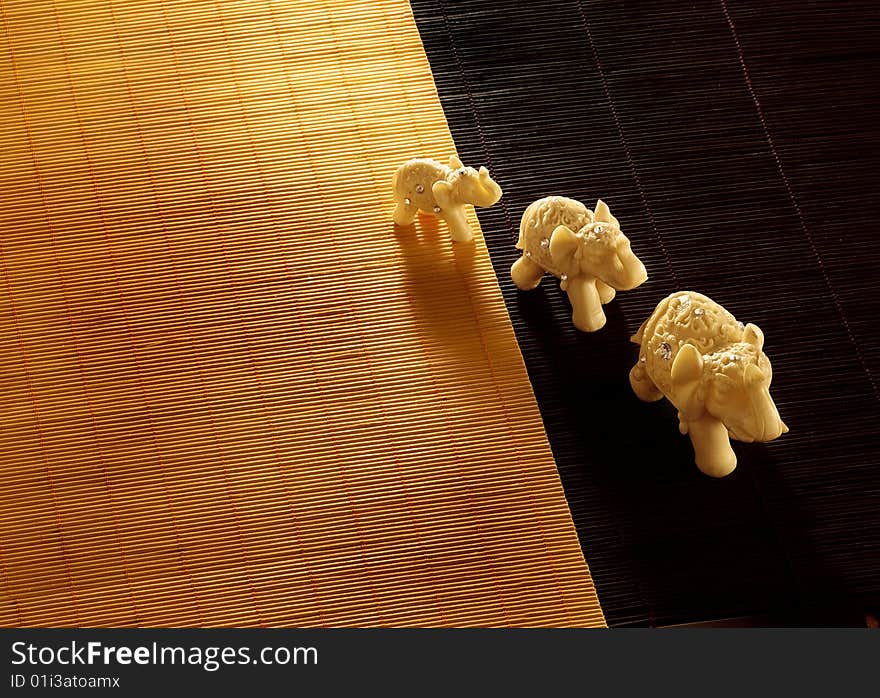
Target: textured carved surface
[(540, 220), (414, 180), (689, 317)]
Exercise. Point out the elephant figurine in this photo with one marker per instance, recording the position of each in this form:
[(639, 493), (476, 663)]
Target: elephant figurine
[(713, 369), (427, 185), (586, 250)]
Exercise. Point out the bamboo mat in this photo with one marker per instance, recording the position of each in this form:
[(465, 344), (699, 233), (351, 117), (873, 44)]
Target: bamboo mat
[(233, 393), (737, 144)]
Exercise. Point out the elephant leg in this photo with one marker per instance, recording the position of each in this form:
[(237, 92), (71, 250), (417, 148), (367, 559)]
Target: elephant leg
[(712, 450), (587, 314), (642, 384), (459, 230), (526, 274), (404, 214), (606, 293)]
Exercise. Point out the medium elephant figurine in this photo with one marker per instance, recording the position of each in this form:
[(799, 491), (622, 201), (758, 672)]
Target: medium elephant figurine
[(432, 187), (586, 250), (713, 369)]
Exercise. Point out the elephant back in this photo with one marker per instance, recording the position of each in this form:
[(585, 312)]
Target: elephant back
[(543, 216), (682, 318), (414, 181)]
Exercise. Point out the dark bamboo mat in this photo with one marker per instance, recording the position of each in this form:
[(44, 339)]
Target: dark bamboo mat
[(737, 145)]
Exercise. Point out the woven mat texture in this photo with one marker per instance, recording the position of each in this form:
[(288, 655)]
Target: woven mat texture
[(233, 393)]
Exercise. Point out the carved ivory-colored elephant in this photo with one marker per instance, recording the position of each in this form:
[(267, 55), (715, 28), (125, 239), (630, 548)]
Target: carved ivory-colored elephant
[(715, 372), (429, 186), (585, 250)]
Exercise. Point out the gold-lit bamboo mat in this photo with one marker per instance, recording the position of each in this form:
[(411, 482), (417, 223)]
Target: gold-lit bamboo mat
[(233, 394)]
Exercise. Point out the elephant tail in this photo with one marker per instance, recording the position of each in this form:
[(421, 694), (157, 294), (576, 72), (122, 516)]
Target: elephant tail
[(638, 336)]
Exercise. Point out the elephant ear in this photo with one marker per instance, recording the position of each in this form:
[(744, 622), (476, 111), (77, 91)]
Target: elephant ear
[(687, 370), (754, 336), (563, 243), (602, 214), (454, 162), (442, 191)]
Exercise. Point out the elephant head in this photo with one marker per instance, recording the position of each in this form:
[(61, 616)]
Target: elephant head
[(600, 250), (465, 185), (733, 386)]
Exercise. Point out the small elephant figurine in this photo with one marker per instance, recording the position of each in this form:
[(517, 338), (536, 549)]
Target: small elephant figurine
[(715, 372), (592, 263), (427, 185)]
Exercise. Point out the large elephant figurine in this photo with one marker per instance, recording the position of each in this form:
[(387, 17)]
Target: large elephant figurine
[(586, 250), (713, 369)]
